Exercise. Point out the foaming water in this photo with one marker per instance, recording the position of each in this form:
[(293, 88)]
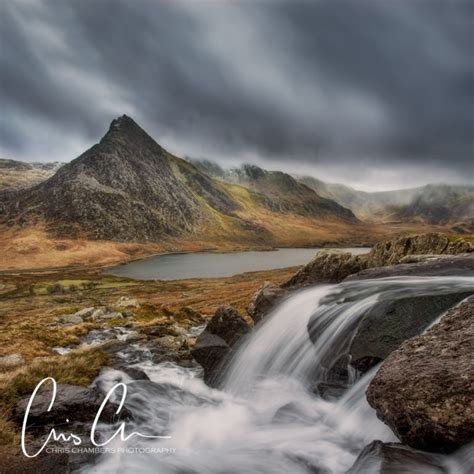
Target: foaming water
[(265, 417)]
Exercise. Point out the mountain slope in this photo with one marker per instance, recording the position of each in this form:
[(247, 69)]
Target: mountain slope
[(128, 188), (281, 192)]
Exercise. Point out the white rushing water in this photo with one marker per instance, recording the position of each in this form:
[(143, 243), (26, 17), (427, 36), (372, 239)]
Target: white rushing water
[(265, 416)]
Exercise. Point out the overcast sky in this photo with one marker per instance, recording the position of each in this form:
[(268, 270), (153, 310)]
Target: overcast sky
[(374, 93)]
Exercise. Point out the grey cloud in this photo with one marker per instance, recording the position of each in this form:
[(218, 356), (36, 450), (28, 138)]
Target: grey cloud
[(322, 83)]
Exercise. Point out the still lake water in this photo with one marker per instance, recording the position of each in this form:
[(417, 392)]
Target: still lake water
[(180, 266)]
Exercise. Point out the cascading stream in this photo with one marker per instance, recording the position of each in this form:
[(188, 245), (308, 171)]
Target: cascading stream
[(265, 417)]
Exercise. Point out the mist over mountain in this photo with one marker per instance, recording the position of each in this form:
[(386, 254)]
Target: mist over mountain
[(431, 204)]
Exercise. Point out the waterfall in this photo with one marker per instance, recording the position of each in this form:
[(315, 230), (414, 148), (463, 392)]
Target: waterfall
[(265, 416)]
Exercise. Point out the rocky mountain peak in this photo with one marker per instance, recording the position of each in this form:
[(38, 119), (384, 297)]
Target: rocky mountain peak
[(125, 130)]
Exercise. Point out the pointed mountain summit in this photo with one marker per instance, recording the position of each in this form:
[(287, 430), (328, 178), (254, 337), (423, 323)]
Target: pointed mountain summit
[(129, 188), (126, 187)]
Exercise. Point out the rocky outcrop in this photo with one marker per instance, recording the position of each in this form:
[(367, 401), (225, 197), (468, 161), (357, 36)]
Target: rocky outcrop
[(424, 390), (442, 265), (327, 267), (264, 300), (393, 251), (423, 255), (390, 322), (393, 458), (99, 313), (214, 346)]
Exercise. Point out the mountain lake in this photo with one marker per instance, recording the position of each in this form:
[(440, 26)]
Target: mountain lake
[(180, 266)]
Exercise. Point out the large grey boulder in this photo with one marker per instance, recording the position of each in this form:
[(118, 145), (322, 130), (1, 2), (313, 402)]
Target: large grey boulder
[(425, 389), (214, 346), (390, 322), (264, 300)]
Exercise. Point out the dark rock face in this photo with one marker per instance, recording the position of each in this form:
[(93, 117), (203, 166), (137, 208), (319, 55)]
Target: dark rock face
[(264, 300), (424, 390), (327, 267), (214, 345), (388, 324), (393, 251), (395, 458)]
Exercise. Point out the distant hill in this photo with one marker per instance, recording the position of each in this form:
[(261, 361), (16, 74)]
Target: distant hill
[(431, 204), (18, 174), (441, 204), (129, 188), (282, 192), (364, 204)]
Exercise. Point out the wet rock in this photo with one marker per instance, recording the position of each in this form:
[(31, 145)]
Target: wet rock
[(392, 251), (213, 346), (211, 352), (73, 403), (228, 324), (327, 267), (70, 319), (424, 390), (389, 323), (395, 458), (264, 300), (135, 373), (11, 360)]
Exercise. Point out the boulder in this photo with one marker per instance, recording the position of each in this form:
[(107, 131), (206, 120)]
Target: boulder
[(11, 360), (77, 404), (393, 458), (213, 346), (210, 351), (85, 313), (327, 267), (390, 322), (424, 390), (228, 324), (264, 300), (392, 251), (70, 319), (126, 302)]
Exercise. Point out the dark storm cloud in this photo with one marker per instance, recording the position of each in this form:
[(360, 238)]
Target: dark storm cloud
[(323, 83)]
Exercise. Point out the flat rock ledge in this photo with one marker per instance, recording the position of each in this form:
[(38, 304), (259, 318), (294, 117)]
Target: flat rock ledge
[(425, 390)]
